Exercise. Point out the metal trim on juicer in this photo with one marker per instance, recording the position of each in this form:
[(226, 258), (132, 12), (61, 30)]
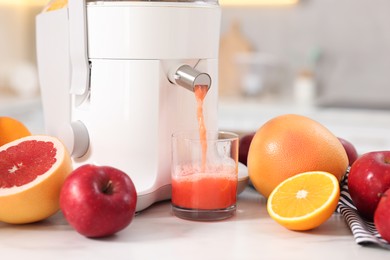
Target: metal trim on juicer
[(188, 77)]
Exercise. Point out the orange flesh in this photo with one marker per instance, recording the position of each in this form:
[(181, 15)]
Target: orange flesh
[(302, 198)]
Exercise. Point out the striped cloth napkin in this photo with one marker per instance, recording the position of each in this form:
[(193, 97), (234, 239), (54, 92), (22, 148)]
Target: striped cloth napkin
[(363, 231)]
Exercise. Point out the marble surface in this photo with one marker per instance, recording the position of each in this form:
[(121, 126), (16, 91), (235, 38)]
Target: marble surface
[(156, 234), (251, 234)]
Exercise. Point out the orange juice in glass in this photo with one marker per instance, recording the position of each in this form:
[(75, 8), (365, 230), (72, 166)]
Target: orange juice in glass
[(204, 182)]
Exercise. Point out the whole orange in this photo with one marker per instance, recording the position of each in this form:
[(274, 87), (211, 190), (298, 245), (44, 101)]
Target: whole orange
[(11, 129), (290, 144)]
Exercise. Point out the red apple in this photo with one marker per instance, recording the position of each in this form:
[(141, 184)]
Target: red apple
[(98, 201), (368, 179), (245, 142), (350, 149), (382, 216)]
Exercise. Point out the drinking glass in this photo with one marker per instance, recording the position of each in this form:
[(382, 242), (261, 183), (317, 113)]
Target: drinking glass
[(204, 175)]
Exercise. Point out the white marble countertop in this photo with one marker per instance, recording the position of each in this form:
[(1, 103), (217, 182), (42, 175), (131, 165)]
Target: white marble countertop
[(156, 234)]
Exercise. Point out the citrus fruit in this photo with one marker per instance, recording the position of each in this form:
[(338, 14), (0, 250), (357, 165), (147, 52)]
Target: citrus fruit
[(57, 4), (304, 201), (290, 144), (32, 171), (11, 129)]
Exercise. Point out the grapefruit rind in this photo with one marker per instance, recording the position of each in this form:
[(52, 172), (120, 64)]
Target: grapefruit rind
[(38, 199)]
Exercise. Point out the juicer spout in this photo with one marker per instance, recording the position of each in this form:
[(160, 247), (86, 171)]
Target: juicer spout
[(188, 77)]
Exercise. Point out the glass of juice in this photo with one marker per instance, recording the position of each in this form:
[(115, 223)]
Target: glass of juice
[(204, 175)]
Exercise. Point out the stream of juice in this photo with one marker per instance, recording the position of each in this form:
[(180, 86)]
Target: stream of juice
[(200, 94)]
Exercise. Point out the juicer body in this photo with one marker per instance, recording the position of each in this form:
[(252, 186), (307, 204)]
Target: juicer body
[(124, 111)]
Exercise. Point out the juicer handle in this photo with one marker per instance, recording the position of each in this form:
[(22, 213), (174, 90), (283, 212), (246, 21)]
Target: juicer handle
[(78, 47), (188, 77)]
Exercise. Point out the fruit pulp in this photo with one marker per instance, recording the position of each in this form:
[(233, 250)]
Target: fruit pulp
[(214, 189), (23, 163)]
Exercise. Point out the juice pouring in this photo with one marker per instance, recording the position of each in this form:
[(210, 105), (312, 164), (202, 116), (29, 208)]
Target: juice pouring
[(206, 179), (200, 94)]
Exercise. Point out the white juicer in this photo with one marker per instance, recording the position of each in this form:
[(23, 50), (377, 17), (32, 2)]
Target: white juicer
[(116, 80)]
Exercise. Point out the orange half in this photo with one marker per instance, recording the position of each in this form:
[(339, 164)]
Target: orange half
[(304, 201)]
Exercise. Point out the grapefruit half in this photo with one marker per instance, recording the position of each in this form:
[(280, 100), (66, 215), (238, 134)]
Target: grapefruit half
[(32, 172)]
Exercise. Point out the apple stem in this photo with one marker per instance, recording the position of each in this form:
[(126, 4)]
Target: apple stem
[(108, 188)]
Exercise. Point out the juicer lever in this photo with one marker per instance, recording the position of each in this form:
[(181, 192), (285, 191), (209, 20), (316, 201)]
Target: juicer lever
[(188, 77)]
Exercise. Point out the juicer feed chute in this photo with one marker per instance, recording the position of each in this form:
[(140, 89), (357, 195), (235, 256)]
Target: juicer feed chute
[(115, 76)]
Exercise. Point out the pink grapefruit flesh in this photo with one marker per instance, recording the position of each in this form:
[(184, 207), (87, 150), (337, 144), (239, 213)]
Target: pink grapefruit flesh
[(32, 171)]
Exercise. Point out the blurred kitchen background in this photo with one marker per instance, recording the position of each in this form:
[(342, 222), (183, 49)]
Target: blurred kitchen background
[(341, 46), (324, 58)]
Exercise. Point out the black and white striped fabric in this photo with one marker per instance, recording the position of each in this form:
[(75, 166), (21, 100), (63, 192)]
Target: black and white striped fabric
[(363, 231)]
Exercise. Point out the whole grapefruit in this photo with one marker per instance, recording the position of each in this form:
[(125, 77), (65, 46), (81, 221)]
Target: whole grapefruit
[(32, 172), (290, 144)]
